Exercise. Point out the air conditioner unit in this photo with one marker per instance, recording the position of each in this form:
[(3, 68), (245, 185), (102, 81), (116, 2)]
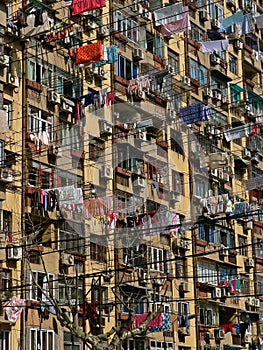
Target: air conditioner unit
[(225, 177), (103, 74), (159, 281), (90, 24), (215, 23), (187, 80), (107, 172), (53, 97), (220, 174), (142, 135), (146, 278), (187, 245), (247, 108), (219, 133), (220, 333), (246, 153), (103, 31), (66, 107), (211, 335), (105, 127), (238, 45), (4, 60), (12, 80), (67, 259), (250, 262), (184, 286), (173, 114), (255, 158), (247, 338), (204, 15), (208, 92), (6, 175), (224, 292), (250, 301), (55, 151), (140, 181), (223, 252), (248, 225), (142, 95), (214, 59), (217, 95), (257, 302), (147, 15), (216, 293), (14, 252), (138, 54)]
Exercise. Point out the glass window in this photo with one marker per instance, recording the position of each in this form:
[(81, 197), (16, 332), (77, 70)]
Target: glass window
[(198, 72), (40, 122), (126, 69), (233, 64)]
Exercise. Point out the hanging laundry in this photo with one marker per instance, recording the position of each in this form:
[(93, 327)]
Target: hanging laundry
[(110, 98), (169, 14), (195, 113), (237, 17), (112, 56), (139, 319), (247, 24), (259, 21), (102, 96), (89, 53), (216, 45), (236, 133), (80, 6), (179, 26), (13, 309)]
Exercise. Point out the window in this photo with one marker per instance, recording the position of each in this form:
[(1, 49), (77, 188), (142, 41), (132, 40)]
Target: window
[(183, 308), (201, 186), (98, 252), (233, 64), (157, 345), (71, 342), (126, 69), (5, 340), (154, 44), (99, 295), (259, 249), (219, 85), (126, 26), (71, 237), (67, 85), (69, 289), (40, 73), (133, 256), (242, 242), (206, 233), (41, 339), (158, 259), (46, 283), (196, 33), (198, 72), (96, 148), (173, 62), (70, 135), (234, 95), (7, 107), (207, 273), (215, 12), (6, 224), (40, 178), (40, 123), (208, 315), (160, 303), (134, 344)]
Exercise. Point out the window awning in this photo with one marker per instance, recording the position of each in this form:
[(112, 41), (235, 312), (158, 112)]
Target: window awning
[(236, 88), (253, 97)]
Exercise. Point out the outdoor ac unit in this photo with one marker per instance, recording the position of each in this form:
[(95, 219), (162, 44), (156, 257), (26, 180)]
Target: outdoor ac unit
[(216, 293), (103, 74), (103, 31), (204, 15), (147, 15), (67, 259), (211, 335), (247, 108), (184, 286), (187, 80), (55, 151), (66, 107), (14, 252), (215, 23), (223, 252), (250, 262), (107, 172), (138, 54), (171, 69), (4, 60), (12, 80), (214, 59), (238, 45), (136, 8), (255, 158), (218, 133), (217, 95), (220, 174), (142, 135), (246, 153), (214, 172), (208, 92), (142, 95), (247, 338), (105, 127), (250, 301), (221, 333), (159, 281), (146, 278), (187, 245), (89, 23), (53, 97), (248, 225), (257, 302), (6, 175), (140, 181)]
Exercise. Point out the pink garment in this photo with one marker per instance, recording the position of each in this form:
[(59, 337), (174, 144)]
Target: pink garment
[(176, 222), (179, 26), (156, 322), (233, 285), (77, 112), (110, 98), (13, 309), (80, 6)]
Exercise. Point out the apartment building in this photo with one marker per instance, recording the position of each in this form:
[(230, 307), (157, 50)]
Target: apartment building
[(131, 165)]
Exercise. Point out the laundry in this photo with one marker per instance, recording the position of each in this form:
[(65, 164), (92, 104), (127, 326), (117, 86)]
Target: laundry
[(80, 6), (247, 24), (112, 56), (102, 96), (89, 53), (139, 319), (184, 321), (98, 207), (195, 113), (240, 208), (216, 45), (237, 17), (259, 21), (13, 309), (110, 98), (236, 133), (178, 26), (169, 14)]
